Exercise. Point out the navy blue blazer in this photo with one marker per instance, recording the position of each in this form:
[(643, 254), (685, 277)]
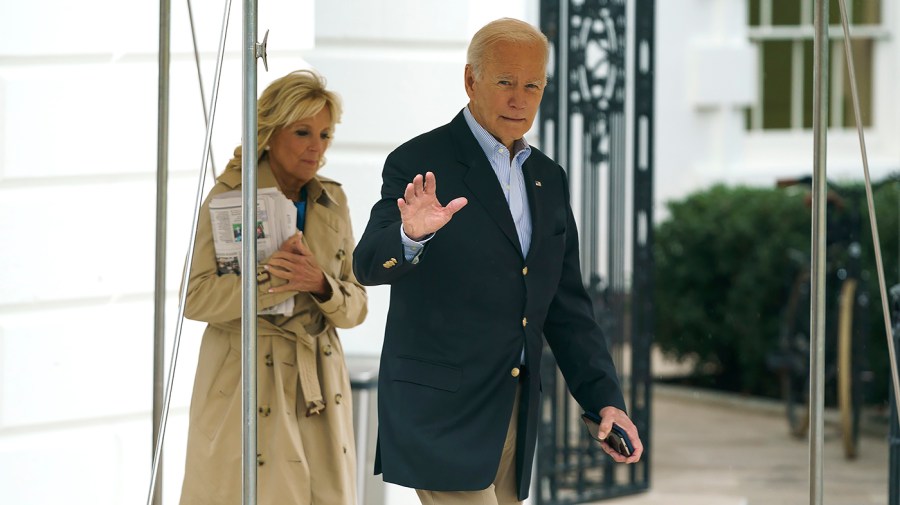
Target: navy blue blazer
[(460, 317)]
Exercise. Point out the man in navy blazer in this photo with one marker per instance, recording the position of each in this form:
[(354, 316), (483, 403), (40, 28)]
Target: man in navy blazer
[(475, 284)]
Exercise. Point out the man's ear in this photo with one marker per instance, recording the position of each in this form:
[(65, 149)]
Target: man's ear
[(469, 80)]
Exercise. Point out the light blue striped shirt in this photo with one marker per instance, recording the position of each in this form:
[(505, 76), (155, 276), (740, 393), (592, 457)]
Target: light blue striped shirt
[(509, 173), (512, 181)]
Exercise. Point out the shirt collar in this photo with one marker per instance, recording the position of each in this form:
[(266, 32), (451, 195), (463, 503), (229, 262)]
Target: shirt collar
[(488, 143)]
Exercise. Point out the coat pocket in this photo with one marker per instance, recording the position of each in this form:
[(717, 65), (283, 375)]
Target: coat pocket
[(221, 396), (427, 373)]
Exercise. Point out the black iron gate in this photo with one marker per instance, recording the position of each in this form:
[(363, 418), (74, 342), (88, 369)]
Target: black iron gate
[(584, 126)]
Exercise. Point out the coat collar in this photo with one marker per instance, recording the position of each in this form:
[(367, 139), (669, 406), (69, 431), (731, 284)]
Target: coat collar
[(315, 188)]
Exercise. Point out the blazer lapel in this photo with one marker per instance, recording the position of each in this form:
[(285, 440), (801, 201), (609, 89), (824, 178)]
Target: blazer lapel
[(481, 179), (535, 203)]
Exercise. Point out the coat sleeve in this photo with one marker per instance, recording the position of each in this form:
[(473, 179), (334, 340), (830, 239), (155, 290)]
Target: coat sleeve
[(379, 256), (215, 298), (348, 304), (575, 338)]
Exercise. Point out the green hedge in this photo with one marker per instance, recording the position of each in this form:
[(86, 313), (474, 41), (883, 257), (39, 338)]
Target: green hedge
[(723, 273)]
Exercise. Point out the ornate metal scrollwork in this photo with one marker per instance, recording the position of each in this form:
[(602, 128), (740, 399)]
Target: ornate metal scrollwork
[(584, 105)]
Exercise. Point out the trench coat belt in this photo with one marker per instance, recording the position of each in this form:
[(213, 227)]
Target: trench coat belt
[(307, 367), (305, 338)]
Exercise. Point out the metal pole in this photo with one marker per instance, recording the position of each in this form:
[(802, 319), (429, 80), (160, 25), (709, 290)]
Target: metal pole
[(890, 327), (249, 158), (562, 52), (162, 182), (179, 321), (212, 160), (870, 200), (817, 288), (894, 438)]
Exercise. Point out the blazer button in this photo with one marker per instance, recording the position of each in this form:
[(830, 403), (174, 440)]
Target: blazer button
[(524, 322), (525, 271), (514, 372)]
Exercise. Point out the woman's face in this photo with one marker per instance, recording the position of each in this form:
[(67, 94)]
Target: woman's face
[(296, 151)]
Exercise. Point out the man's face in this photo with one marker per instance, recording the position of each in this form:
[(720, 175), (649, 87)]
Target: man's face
[(505, 99)]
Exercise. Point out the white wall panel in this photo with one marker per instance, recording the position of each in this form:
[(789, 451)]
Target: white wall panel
[(50, 27), (90, 465), (392, 20), (76, 364), (113, 28), (79, 241), (79, 120), (4, 113), (76, 466), (390, 97)]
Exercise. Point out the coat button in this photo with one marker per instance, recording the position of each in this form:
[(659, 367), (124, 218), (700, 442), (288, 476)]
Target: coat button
[(337, 398), (524, 322), (269, 360), (525, 271), (514, 372), (259, 460), (265, 411), (326, 349)]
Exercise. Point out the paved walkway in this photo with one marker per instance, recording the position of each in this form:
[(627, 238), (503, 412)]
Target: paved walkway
[(715, 449)]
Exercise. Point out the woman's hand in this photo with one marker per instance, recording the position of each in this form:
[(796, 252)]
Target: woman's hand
[(295, 263)]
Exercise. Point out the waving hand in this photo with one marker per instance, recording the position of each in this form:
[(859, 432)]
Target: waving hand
[(421, 212)]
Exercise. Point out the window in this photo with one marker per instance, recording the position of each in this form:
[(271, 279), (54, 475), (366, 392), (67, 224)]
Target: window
[(783, 32)]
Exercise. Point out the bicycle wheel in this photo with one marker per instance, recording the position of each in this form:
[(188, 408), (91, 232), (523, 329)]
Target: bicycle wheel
[(849, 401), (794, 355), (796, 393)]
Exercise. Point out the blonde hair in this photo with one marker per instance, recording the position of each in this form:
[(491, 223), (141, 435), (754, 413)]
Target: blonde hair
[(503, 30), (298, 95)]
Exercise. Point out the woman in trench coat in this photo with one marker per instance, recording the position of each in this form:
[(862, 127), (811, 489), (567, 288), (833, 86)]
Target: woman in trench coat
[(304, 424)]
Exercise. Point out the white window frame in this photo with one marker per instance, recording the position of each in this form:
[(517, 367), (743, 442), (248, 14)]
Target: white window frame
[(798, 34), (773, 153)]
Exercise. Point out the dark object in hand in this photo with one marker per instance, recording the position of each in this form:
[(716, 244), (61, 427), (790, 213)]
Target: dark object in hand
[(617, 438)]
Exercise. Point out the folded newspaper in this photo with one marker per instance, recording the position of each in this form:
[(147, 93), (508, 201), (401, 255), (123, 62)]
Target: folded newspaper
[(276, 222)]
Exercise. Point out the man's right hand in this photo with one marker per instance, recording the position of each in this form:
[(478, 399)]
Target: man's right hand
[(420, 210)]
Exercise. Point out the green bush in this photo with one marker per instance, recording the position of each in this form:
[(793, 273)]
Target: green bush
[(723, 274), (887, 210)]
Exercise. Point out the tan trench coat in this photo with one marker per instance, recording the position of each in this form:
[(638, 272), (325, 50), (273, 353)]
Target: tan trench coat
[(305, 423)]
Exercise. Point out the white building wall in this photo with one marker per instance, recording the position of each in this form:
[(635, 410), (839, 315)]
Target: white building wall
[(78, 98)]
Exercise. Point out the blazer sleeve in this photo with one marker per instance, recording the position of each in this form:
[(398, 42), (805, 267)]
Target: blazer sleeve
[(575, 338), (379, 256)]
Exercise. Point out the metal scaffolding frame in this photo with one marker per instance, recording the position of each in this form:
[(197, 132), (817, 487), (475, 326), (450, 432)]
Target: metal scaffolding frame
[(162, 393)]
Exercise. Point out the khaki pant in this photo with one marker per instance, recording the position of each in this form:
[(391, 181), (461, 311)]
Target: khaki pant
[(501, 492)]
